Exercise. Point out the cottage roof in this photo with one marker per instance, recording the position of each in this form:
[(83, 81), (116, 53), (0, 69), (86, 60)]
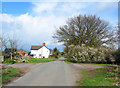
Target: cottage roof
[(35, 47), (21, 50)]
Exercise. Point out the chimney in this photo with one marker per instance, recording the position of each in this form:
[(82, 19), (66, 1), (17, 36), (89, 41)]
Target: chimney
[(43, 44)]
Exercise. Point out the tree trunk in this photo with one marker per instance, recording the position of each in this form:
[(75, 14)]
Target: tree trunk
[(11, 57)]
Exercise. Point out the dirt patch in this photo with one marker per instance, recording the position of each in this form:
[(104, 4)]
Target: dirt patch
[(88, 66), (24, 68), (91, 72)]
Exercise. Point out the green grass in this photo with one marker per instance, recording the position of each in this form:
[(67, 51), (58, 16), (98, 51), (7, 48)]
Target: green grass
[(8, 73), (101, 77), (114, 65), (9, 61), (32, 60), (40, 60)]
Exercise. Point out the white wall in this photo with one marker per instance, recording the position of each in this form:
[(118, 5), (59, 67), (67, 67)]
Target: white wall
[(34, 52), (45, 52)]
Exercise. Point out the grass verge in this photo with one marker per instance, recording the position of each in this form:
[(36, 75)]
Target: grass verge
[(32, 60), (8, 73), (99, 77), (115, 65), (40, 60)]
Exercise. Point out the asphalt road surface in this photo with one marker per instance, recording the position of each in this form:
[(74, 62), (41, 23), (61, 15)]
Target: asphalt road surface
[(61, 59), (56, 73)]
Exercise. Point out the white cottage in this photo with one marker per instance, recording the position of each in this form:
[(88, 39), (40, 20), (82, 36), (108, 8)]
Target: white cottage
[(40, 51)]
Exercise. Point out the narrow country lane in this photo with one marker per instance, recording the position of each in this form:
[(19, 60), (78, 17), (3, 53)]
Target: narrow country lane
[(56, 73)]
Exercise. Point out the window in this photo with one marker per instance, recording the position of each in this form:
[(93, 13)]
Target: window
[(39, 54), (33, 55)]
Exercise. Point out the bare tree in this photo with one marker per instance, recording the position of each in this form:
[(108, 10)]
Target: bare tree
[(10, 42), (118, 36), (89, 30), (4, 41), (13, 44)]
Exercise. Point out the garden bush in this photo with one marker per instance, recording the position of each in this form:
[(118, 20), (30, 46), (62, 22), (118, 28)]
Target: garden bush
[(87, 54), (6, 55), (9, 61)]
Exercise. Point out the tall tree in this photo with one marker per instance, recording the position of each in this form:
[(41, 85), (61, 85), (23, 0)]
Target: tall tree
[(56, 52), (10, 42), (89, 30), (13, 44)]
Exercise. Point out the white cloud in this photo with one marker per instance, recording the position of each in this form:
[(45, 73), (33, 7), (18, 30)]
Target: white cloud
[(40, 7), (32, 29), (106, 6), (39, 25), (6, 16), (53, 43), (70, 7), (53, 8)]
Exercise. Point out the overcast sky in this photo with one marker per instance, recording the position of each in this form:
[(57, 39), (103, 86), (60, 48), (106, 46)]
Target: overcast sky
[(36, 22)]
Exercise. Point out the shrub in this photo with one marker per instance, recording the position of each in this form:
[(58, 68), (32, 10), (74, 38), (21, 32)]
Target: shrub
[(6, 55), (54, 55), (90, 55), (116, 55), (9, 61)]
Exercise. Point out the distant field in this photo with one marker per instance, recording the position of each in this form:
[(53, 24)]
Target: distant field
[(40, 60), (32, 60)]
